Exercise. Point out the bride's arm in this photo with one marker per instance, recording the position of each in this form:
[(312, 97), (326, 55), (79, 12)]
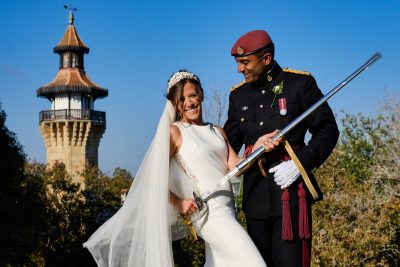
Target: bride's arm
[(184, 206), (264, 140)]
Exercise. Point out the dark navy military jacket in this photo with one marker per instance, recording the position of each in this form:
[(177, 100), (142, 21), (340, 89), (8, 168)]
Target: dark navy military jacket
[(253, 111)]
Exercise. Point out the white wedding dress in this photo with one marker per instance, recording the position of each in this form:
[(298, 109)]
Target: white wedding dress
[(204, 153)]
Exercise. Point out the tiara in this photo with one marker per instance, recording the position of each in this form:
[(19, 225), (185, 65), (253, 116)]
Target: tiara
[(179, 76)]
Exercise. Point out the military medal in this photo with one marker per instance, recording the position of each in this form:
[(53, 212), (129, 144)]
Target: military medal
[(282, 106)]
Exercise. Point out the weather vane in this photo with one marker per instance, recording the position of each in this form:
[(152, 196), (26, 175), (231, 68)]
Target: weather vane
[(71, 10)]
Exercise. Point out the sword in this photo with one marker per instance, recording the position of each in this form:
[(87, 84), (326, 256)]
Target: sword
[(241, 166)]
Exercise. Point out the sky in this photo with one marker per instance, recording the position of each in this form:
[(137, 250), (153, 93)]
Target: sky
[(136, 45)]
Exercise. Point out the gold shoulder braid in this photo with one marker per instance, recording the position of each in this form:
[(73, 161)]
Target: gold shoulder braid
[(237, 86), (296, 71)]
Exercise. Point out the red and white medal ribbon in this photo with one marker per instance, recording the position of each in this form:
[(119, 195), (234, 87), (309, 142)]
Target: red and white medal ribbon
[(282, 106)]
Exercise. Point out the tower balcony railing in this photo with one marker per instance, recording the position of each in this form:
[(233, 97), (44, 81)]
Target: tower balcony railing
[(98, 117)]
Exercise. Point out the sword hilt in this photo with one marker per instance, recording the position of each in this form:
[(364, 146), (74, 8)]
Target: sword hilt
[(199, 201)]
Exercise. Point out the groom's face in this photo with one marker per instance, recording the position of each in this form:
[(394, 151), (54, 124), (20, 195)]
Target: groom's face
[(251, 66)]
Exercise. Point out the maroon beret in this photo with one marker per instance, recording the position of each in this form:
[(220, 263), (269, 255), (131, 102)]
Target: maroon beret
[(250, 42)]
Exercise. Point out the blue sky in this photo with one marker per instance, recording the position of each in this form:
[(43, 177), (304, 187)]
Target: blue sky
[(136, 45)]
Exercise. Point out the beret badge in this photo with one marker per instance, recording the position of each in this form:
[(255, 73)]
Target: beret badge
[(240, 50)]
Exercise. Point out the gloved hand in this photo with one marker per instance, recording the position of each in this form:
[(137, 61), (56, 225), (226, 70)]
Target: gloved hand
[(285, 173)]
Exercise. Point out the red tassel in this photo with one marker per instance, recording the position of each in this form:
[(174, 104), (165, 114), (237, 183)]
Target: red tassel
[(287, 233), (306, 261), (304, 228)]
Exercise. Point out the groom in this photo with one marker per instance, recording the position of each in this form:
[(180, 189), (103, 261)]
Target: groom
[(276, 201)]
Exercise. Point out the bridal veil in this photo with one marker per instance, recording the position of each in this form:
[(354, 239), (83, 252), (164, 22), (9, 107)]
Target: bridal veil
[(139, 234)]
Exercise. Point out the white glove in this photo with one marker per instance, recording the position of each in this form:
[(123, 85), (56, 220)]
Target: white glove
[(285, 173)]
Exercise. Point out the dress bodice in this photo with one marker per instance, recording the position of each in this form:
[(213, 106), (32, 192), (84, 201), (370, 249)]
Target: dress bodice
[(204, 153)]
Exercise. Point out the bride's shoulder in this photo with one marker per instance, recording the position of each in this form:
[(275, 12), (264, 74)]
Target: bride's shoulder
[(221, 130), (174, 130), (175, 139)]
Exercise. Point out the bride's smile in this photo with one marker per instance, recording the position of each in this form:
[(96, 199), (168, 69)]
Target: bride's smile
[(190, 104)]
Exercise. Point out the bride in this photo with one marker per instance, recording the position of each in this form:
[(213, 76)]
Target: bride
[(186, 156)]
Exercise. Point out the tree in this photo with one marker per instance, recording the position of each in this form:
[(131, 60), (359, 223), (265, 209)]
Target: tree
[(215, 107), (66, 220), (21, 208), (103, 195), (387, 169)]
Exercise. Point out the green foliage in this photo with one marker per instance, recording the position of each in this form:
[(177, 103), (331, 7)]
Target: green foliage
[(359, 139), (20, 202), (358, 222), (241, 217), (352, 225), (66, 219), (103, 195), (189, 252)]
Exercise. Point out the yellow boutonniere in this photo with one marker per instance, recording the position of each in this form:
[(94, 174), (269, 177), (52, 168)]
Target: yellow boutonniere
[(277, 89)]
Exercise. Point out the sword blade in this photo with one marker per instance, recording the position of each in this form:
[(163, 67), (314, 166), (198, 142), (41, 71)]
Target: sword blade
[(227, 177), (259, 151)]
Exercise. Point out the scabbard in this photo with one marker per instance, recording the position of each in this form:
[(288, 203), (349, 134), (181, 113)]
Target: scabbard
[(303, 172)]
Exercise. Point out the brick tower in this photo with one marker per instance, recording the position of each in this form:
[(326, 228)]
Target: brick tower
[(72, 129)]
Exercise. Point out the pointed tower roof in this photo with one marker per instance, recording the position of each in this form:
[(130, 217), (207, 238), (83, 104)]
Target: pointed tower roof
[(71, 78), (71, 81), (71, 40)]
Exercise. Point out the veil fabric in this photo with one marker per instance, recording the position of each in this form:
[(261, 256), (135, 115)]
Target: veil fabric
[(139, 234)]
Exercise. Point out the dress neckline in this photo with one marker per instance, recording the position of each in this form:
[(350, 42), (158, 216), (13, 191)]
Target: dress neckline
[(209, 124), (193, 124)]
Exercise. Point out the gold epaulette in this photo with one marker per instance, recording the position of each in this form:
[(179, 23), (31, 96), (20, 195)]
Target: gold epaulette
[(296, 71), (237, 86)]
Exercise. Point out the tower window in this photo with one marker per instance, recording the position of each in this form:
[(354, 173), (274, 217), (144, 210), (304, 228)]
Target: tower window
[(85, 102)]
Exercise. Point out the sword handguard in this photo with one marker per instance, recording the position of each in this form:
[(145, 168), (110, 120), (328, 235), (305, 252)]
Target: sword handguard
[(199, 201), (203, 208)]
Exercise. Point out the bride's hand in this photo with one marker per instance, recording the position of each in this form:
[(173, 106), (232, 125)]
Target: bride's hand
[(186, 207)]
